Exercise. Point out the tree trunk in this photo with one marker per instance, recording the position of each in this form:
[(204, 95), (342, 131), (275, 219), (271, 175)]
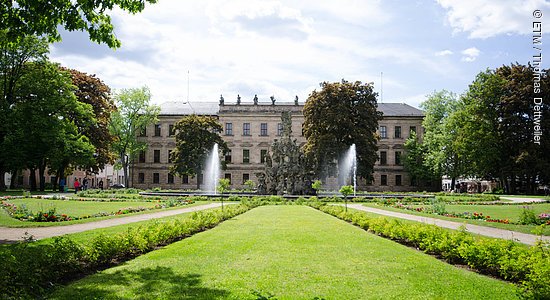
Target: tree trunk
[(41, 178), (124, 163), (199, 172), (32, 179), (13, 183), (453, 181), (2, 176)]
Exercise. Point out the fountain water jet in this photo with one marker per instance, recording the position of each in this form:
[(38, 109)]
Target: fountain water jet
[(348, 167), (212, 171)]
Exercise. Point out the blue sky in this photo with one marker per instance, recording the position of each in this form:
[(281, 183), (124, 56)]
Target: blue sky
[(286, 48)]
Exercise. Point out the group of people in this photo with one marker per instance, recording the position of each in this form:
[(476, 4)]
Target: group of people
[(77, 185)]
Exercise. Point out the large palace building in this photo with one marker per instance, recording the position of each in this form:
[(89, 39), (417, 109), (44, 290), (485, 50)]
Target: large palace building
[(250, 128)]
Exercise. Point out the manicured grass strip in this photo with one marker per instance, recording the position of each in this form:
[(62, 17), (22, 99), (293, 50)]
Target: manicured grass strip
[(529, 266), (77, 208), (88, 206), (510, 212), (293, 252)]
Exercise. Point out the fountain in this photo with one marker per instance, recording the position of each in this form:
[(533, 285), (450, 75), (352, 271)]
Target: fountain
[(347, 167), (212, 171)]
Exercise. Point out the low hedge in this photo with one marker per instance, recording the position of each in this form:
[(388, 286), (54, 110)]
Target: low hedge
[(529, 267), (29, 270)]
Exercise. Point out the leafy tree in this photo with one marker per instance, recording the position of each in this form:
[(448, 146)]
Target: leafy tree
[(133, 115), (497, 128), (342, 114), (195, 137), (346, 190), (415, 162), (223, 186), (23, 18), (13, 58), (91, 90), (440, 156), (316, 185), (43, 131)]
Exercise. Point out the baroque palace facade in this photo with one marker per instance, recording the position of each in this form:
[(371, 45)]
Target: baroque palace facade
[(250, 128)]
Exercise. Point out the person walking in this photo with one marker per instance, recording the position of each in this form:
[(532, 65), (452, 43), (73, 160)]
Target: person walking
[(61, 185), (76, 185)]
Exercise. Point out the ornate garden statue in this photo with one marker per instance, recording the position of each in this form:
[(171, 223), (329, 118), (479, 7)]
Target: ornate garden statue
[(286, 168), (221, 100), (255, 99), (238, 99)]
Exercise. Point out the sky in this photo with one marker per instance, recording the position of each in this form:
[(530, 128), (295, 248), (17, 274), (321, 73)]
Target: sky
[(197, 50)]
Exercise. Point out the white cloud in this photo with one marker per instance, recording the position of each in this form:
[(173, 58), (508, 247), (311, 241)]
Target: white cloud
[(488, 18), (444, 53), (470, 54)]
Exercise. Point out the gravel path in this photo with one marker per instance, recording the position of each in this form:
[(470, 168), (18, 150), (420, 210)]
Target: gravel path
[(524, 238), (10, 235), (523, 200)]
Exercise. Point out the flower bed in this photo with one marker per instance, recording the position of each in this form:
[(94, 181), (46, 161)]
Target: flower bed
[(23, 214)]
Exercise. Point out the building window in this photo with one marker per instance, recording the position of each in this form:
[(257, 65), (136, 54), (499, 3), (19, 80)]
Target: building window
[(383, 158), (157, 129), (412, 129), (384, 180), (398, 158), (383, 132), (169, 156), (170, 178), (185, 179), (156, 178), (228, 157), (228, 176), (246, 177), (141, 177), (263, 129), (171, 131), (263, 154), (143, 131), (398, 180), (279, 129), (156, 156), (397, 132), (246, 128), (142, 156), (228, 128), (246, 156)]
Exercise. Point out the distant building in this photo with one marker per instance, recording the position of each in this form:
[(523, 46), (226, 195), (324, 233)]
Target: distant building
[(249, 128)]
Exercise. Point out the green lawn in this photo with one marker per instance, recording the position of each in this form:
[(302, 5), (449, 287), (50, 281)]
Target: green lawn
[(75, 208), (293, 252), (510, 212)]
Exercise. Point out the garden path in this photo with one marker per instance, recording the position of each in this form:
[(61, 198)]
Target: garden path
[(529, 239), (11, 235), (523, 200)]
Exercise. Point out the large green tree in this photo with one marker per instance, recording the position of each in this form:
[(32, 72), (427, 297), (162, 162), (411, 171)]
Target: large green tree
[(339, 115), (415, 162), (195, 137), (13, 58), (21, 18), (44, 131), (134, 112), (497, 127), (440, 156), (91, 90)]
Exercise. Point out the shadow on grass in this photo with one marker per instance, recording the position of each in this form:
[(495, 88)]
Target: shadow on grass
[(147, 283)]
